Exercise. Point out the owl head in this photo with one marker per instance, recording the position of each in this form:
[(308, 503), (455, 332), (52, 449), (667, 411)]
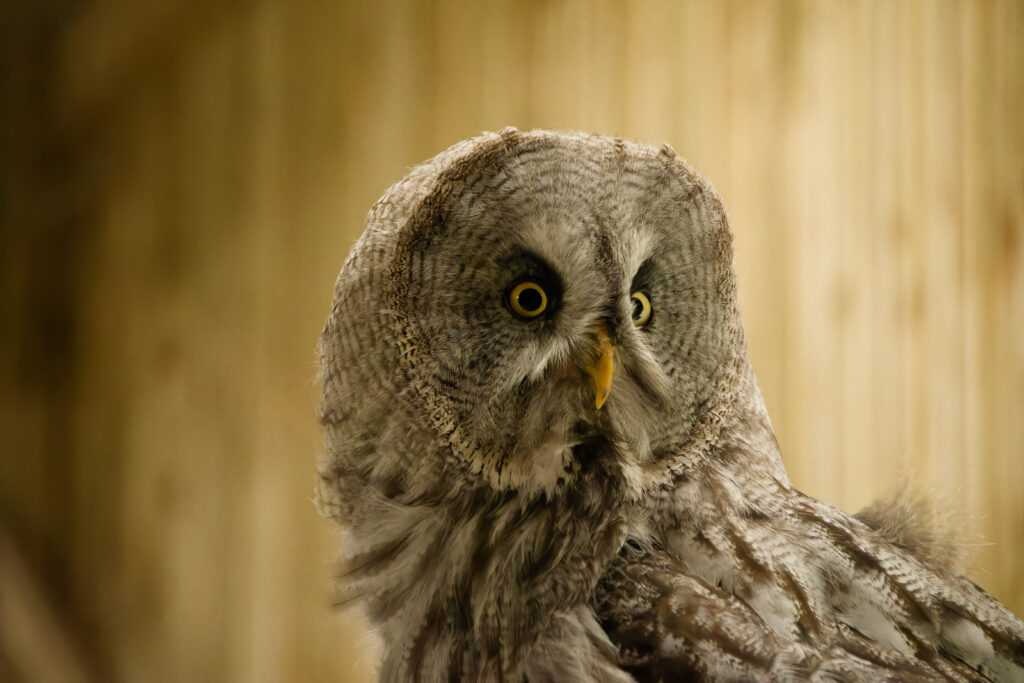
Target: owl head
[(525, 307)]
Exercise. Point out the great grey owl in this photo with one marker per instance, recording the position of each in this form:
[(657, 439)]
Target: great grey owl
[(552, 461)]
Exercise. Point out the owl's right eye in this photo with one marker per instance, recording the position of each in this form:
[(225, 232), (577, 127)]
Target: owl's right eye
[(528, 299)]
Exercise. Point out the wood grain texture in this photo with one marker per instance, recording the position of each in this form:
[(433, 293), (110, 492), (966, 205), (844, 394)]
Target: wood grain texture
[(182, 183)]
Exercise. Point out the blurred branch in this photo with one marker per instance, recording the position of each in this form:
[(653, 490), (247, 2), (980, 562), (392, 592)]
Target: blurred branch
[(35, 642)]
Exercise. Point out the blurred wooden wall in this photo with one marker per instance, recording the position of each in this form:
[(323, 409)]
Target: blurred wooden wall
[(182, 181)]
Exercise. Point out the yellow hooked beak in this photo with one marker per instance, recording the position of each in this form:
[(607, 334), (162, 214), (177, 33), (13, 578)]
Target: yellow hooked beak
[(604, 365)]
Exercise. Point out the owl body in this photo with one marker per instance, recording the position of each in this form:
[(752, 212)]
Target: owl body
[(551, 460)]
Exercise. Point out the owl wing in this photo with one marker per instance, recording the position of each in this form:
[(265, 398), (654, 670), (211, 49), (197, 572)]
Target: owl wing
[(670, 625)]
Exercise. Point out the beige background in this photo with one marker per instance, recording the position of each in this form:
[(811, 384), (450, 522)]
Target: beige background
[(182, 181)]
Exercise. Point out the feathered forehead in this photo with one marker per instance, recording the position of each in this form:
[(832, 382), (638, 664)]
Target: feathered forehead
[(543, 173)]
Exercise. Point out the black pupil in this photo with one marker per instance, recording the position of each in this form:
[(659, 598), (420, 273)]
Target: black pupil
[(638, 308), (530, 299)]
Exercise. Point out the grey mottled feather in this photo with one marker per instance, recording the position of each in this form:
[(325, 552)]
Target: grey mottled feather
[(499, 526)]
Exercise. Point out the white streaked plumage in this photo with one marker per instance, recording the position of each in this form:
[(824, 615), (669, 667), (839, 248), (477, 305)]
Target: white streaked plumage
[(502, 524)]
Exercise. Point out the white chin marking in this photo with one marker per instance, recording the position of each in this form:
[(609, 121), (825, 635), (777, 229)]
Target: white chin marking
[(538, 469)]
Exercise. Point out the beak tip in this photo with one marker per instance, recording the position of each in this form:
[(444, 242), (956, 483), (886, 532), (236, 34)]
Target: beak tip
[(603, 369)]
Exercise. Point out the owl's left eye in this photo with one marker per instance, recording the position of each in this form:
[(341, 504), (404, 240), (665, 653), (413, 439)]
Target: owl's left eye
[(640, 308), (528, 299)]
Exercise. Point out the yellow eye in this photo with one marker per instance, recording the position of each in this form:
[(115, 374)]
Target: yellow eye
[(641, 312), (528, 299)]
